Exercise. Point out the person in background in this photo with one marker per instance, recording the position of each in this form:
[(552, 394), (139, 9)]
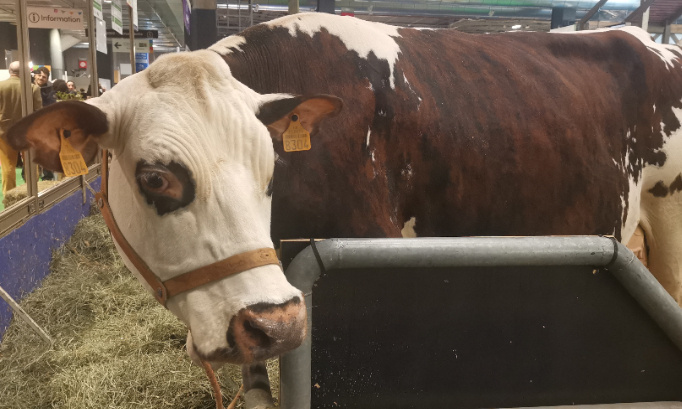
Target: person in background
[(60, 85), (72, 87), (49, 96), (10, 113), (42, 79), (101, 90)]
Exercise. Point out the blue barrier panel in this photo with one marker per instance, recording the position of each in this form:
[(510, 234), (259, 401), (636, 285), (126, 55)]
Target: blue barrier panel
[(26, 252)]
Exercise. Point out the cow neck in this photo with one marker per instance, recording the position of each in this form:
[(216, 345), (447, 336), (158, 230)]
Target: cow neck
[(163, 290)]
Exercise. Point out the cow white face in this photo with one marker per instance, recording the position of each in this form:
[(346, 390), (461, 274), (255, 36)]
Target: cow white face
[(189, 186)]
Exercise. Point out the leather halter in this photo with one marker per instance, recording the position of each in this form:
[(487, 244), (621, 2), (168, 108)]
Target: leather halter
[(163, 290)]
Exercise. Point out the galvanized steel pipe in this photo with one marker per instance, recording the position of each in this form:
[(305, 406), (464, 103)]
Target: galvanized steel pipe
[(295, 366)]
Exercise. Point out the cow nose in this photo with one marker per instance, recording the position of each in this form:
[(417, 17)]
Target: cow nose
[(263, 330)]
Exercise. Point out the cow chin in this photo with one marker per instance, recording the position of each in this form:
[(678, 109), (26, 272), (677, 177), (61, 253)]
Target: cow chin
[(256, 333)]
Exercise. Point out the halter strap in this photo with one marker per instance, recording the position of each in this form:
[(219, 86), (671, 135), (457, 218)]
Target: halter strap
[(163, 290)]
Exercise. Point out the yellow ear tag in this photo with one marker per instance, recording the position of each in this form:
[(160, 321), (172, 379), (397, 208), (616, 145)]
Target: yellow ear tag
[(296, 138), (73, 163)]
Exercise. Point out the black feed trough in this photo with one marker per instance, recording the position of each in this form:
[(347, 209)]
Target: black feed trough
[(537, 332)]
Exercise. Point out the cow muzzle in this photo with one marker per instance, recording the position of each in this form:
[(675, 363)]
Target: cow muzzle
[(260, 331)]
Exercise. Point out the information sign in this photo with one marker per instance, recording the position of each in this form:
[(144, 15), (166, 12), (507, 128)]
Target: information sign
[(101, 35), (137, 34), (123, 46), (133, 5), (55, 17), (97, 9), (186, 14), (116, 17), (141, 61)]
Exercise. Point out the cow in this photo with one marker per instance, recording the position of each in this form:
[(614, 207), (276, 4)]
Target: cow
[(412, 132)]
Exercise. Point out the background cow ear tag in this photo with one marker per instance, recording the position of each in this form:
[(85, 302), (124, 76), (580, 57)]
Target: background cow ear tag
[(296, 138), (72, 161)]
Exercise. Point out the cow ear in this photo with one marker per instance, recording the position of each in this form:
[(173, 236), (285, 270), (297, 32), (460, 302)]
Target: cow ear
[(276, 113), (83, 124)]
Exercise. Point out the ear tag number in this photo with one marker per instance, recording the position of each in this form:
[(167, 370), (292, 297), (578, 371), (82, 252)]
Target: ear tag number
[(72, 161), (296, 138)]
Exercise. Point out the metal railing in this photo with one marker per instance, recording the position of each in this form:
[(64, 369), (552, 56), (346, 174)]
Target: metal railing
[(36, 202), (592, 251)]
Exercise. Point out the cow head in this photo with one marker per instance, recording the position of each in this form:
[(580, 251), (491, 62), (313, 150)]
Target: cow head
[(189, 183)]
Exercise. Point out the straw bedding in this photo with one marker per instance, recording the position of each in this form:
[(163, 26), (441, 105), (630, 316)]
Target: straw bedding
[(115, 347), (19, 193)]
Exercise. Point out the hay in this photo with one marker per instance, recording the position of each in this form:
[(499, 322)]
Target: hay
[(18, 193), (115, 347)]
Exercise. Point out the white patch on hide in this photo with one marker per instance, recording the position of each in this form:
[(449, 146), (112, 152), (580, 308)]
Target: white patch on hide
[(407, 172), (369, 132), (633, 200), (408, 84), (653, 174), (357, 35), (228, 44), (408, 228), (672, 147), (661, 50)]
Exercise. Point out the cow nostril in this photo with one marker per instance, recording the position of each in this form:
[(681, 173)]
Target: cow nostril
[(262, 330), (258, 336), (231, 342)]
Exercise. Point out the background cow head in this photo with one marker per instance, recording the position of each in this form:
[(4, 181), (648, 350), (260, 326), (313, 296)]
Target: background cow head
[(189, 185)]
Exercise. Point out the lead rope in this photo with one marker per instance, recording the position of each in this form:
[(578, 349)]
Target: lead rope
[(216, 388)]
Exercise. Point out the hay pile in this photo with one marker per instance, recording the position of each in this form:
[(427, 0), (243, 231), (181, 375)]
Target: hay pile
[(13, 196), (115, 346)]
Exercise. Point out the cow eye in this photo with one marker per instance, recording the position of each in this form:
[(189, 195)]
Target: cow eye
[(154, 181), (159, 181), (166, 186)]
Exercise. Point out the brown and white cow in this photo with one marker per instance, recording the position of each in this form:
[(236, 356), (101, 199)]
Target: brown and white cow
[(442, 134)]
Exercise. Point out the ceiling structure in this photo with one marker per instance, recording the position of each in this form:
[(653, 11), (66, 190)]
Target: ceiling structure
[(165, 16), (661, 12), (417, 13)]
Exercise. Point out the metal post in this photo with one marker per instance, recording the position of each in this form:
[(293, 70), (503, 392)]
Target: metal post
[(645, 18), (293, 7), (131, 31), (92, 51), (666, 33), (94, 76), (584, 22), (26, 98), (24, 316)]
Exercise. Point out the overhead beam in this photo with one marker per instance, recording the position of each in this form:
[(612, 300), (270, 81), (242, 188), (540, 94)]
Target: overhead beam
[(674, 29), (637, 14), (586, 18), (666, 34), (674, 16)]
